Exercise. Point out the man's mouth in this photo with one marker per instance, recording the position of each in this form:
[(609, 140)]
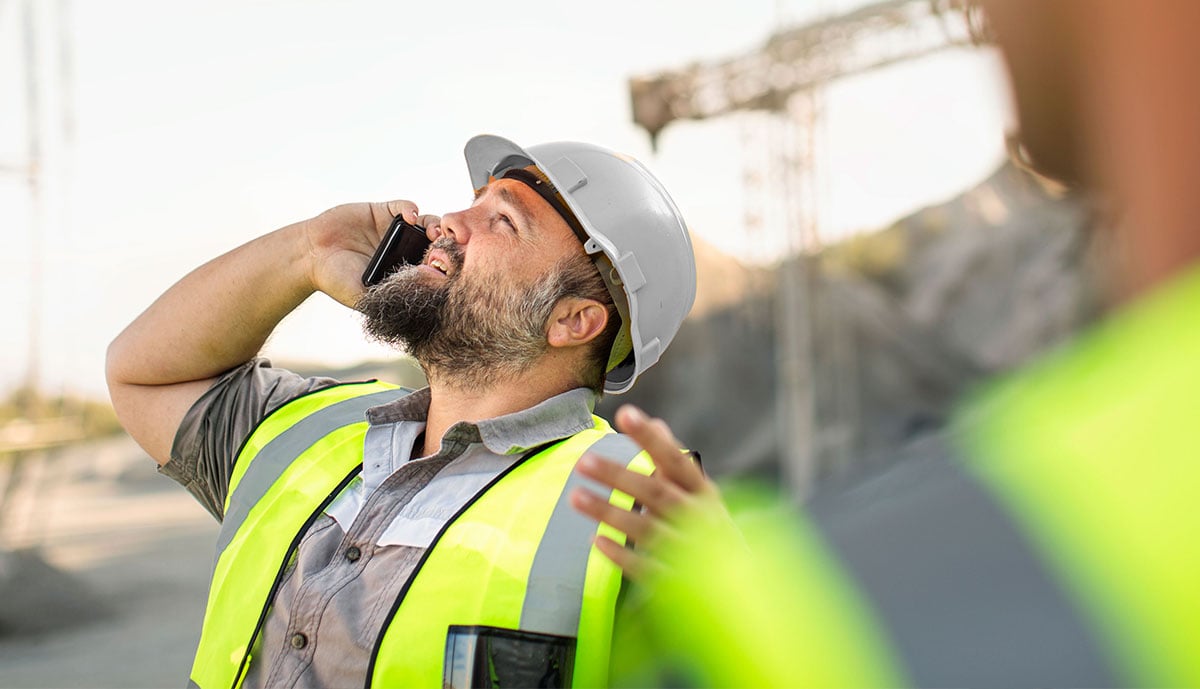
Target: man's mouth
[(440, 265), (444, 256)]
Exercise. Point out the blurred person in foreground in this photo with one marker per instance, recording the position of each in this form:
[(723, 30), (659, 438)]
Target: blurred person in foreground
[(1052, 536), (373, 535)]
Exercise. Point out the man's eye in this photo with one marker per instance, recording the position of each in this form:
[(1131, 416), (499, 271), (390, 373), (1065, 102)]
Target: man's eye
[(507, 221)]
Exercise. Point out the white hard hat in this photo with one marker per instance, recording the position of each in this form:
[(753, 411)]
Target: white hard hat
[(633, 229)]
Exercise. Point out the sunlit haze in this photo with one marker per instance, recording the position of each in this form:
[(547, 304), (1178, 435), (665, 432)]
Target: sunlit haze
[(194, 127)]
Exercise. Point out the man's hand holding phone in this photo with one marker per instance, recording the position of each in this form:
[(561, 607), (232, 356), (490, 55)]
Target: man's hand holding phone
[(343, 240), (404, 244)]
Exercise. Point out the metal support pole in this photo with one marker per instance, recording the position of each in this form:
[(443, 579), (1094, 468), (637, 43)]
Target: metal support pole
[(795, 394), (34, 152)]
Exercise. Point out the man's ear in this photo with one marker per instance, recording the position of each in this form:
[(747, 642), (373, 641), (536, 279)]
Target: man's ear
[(576, 321)]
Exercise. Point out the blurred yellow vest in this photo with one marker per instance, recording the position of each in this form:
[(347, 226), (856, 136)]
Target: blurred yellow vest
[(1091, 457)]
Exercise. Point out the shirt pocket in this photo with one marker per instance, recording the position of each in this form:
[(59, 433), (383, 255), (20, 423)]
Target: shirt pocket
[(316, 548)]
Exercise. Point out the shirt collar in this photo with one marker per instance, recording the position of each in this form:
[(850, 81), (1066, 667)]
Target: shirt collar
[(555, 418)]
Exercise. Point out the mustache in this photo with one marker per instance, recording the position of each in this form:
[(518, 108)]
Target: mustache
[(451, 248)]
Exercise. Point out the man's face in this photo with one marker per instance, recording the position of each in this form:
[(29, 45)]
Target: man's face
[(475, 309), (511, 229)]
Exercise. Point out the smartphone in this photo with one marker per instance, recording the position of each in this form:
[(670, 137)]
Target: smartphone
[(403, 244)]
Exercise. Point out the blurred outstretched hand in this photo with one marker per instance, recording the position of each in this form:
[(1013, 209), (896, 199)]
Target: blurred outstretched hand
[(678, 500)]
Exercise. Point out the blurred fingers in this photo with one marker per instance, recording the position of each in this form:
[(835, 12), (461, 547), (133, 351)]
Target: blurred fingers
[(635, 565), (635, 525), (656, 438), (659, 496)]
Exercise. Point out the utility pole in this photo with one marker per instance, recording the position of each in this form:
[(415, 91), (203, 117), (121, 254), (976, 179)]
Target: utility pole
[(44, 80), (44, 86), (37, 211)]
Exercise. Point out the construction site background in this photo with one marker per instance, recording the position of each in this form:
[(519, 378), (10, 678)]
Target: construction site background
[(803, 370)]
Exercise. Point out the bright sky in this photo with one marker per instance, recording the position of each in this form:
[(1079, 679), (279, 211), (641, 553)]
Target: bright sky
[(200, 126)]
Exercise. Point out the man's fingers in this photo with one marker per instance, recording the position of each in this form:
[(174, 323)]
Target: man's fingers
[(635, 525), (635, 565), (659, 496), (656, 438), (408, 209), (431, 223)]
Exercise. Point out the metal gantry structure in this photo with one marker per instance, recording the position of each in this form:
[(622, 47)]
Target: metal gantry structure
[(784, 79), (796, 60)]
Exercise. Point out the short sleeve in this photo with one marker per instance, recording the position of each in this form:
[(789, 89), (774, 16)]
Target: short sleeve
[(214, 429)]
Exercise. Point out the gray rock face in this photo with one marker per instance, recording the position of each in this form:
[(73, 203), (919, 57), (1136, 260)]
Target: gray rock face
[(900, 324)]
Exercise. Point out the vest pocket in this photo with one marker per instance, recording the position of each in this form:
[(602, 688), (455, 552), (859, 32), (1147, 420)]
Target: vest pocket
[(478, 656)]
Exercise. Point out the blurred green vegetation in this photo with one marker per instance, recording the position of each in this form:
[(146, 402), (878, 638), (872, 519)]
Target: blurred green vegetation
[(89, 418)]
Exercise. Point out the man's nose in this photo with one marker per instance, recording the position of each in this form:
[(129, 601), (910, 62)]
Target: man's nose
[(456, 225)]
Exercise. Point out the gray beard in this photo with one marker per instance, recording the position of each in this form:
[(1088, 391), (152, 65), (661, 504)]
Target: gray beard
[(468, 332)]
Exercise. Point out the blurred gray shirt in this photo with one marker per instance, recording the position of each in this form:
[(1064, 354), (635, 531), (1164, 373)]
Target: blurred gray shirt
[(352, 563)]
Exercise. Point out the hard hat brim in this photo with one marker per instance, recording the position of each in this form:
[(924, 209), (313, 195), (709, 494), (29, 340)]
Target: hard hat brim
[(487, 152)]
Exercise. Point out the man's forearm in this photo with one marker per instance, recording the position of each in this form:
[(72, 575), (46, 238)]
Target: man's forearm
[(220, 315), (216, 317)]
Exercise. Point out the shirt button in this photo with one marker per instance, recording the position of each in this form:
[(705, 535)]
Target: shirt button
[(299, 641), (353, 553)]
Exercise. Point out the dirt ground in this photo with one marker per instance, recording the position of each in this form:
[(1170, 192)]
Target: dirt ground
[(104, 565)]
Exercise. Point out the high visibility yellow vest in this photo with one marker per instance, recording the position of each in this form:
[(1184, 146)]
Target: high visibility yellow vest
[(1096, 452), (516, 557)]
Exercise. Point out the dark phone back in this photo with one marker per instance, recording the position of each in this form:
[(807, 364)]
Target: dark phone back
[(403, 244)]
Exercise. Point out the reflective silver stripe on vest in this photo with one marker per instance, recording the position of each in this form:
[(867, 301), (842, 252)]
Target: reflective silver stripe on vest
[(276, 456), (554, 595), (965, 598)]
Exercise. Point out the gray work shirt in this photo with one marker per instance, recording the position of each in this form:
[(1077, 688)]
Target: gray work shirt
[(357, 556)]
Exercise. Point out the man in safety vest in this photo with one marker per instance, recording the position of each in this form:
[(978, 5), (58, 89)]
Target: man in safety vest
[(372, 535), (1052, 538)]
